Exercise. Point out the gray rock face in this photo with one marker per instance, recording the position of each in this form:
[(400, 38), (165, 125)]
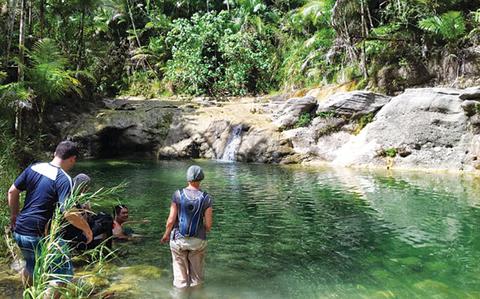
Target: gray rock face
[(431, 128), (288, 114), (428, 126), (336, 122), (171, 130), (125, 127), (472, 93), (185, 140), (355, 103)]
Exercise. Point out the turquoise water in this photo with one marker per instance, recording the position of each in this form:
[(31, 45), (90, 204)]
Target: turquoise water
[(297, 232)]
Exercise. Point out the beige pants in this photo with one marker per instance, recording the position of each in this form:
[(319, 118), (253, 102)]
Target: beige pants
[(188, 258)]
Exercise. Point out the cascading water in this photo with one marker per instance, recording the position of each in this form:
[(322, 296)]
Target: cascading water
[(230, 151)]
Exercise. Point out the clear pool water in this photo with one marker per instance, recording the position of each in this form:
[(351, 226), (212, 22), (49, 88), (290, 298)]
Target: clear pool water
[(298, 232)]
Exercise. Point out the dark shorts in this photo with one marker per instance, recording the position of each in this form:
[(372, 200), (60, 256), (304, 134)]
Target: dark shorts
[(61, 267)]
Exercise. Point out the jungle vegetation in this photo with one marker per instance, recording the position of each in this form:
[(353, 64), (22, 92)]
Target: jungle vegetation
[(55, 51)]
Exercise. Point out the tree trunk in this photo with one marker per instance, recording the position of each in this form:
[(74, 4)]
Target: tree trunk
[(81, 42), (18, 122), (30, 18), (133, 24), (12, 12), (364, 36), (42, 17), (21, 41)]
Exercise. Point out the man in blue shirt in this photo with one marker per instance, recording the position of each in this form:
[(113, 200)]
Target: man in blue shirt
[(48, 186)]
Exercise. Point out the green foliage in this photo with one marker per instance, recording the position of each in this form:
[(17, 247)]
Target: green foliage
[(8, 171), (247, 64), (196, 59), (210, 55), (304, 120), (233, 47), (362, 122), (48, 76), (390, 152), (326, 114), (144, 83), (450, 26)]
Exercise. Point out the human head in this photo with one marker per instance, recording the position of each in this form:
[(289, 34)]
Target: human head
[(67, 151), (81, 182), (195, 174), (120, 213)]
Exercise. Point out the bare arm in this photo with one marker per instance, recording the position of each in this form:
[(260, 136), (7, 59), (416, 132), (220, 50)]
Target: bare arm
[(208, 219), (74, 216), (14, 204), (172, 218)]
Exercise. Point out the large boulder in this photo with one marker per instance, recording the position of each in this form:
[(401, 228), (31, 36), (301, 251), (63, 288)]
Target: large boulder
[(288, 113), (337, 120), (421, 128), (353, 104), (123, 127)]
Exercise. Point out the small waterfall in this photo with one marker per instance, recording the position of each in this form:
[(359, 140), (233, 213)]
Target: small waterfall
[(230, 151)]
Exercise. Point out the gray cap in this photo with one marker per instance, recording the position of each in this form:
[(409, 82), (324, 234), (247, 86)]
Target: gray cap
[(195, 174), (81, 180)]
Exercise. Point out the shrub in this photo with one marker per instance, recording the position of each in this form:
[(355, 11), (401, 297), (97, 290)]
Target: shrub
[(326, 114), (196, 61), (362, 122), (391, 152), (304, 120), (248, 64), (450, 26)]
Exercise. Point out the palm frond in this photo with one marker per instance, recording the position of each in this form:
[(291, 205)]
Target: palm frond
[(449, 26)]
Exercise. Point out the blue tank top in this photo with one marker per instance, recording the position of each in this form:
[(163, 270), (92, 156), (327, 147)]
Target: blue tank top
[(191, 206)]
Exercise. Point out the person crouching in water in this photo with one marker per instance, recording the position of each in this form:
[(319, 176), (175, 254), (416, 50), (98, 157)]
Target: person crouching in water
[(190, 218), (120, 217)]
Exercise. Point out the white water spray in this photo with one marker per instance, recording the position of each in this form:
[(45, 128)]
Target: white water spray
[(230, 151)]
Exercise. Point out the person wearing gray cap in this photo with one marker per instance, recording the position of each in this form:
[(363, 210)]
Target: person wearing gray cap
[(190, 218), (81, 183)]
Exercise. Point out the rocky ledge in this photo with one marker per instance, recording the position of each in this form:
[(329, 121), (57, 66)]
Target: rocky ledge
[(428, 128)]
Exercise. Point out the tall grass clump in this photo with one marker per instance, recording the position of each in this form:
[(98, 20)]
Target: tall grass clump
[(8, 170), (54, 253)]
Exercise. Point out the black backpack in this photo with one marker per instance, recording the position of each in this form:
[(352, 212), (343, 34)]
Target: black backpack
[(101, 225)]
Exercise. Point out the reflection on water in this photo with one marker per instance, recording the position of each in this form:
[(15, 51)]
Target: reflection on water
[(292, 232)]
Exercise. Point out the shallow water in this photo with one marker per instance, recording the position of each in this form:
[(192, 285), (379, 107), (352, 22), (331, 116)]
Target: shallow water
[(296, 232)]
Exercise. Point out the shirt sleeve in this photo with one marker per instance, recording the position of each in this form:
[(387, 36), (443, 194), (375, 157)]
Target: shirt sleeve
[(208, 201), (176, 197), (21, 181), (64, 189)]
